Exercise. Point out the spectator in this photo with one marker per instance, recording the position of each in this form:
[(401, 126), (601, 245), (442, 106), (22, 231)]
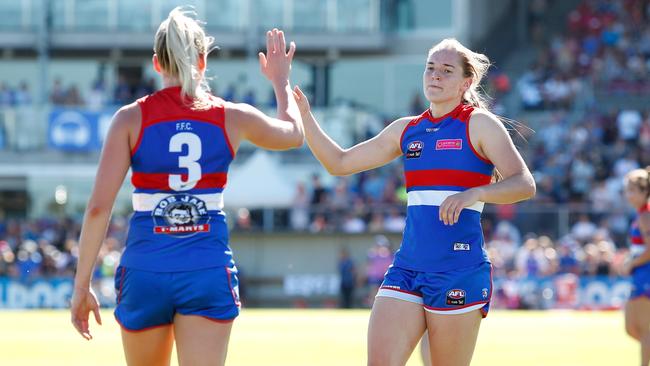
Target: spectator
[(348, 276)]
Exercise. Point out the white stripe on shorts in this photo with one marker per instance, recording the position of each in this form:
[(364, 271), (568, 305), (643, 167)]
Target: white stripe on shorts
[(435, 198), (396, 294), (457, 311), (149, 201)]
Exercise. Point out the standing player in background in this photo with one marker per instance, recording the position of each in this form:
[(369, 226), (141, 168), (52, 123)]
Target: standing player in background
[(440, 279), (177, 279), (637, 309)]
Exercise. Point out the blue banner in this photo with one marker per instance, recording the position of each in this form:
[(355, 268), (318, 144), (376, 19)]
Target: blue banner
[(561, 292), (72, 129), (558, 292), (49, 293)]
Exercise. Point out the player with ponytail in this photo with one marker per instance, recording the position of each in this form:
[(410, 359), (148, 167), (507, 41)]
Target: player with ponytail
[(177, 279)]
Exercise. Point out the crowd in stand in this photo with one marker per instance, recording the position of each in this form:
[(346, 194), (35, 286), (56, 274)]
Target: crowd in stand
[(605, 48)]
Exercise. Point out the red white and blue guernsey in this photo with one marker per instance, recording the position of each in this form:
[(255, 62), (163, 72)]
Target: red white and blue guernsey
[(439, 161), (179, 168), (641, 274), (444, 268)]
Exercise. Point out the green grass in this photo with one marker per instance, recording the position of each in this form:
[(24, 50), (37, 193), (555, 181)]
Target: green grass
[(332, 337)]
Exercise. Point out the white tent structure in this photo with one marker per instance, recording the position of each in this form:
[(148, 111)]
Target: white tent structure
[(258, 183)]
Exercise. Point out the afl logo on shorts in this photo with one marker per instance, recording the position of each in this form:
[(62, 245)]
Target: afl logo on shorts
[(414, 149), (456, 297), (180, 215)]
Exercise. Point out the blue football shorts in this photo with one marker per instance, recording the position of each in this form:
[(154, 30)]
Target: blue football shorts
[(641, 281), (452, 292), (148, 299)]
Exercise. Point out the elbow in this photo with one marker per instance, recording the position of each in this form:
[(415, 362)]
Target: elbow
[(297, 140), (531, 187), (338, 171), (97, 209)]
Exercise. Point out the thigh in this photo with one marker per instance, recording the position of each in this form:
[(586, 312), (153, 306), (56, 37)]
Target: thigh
[(394, 330), (152, 347), (452, 337), (201, 341), (637, 316)]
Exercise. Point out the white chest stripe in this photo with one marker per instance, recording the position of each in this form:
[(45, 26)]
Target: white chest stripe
[(148, 201), (435, 198)]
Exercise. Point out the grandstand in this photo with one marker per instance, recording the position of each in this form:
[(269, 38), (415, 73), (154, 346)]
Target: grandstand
[(576, 72)]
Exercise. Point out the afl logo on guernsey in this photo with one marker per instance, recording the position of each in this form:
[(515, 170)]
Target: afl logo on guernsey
[(180, 215), (414, 149), (449, 144)]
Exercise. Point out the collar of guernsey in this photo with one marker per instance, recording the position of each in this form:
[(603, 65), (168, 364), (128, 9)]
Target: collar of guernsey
[(439, 159), (180, 151)]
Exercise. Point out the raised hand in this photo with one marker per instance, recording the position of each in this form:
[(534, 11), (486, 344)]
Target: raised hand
[(301, 100), (276, 63)]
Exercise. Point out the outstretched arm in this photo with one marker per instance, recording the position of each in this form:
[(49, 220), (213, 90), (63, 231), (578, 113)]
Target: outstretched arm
[(378, 151), (247, 122)]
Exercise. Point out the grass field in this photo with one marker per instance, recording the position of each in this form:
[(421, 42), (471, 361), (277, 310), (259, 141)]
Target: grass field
[(332, 337)]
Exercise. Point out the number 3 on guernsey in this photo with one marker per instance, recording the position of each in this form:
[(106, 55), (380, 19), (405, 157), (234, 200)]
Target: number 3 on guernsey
[(188, 161)]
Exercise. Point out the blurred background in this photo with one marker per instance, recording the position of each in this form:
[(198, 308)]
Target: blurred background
[(575, 74)]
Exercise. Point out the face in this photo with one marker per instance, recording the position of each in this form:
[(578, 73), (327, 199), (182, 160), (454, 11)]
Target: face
[(443, 78), (635, 196)]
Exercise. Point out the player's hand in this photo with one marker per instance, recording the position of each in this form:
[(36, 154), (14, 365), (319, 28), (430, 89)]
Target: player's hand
[(276, 63), (452, 206), (301, 100), (83, 302)]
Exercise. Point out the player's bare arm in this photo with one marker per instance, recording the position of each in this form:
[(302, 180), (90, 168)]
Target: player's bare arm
[(370, 154)]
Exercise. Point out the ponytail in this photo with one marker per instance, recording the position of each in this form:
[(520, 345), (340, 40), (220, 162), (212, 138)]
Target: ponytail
[(180, 43)]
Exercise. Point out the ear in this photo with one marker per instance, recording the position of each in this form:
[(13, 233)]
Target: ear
[(156, 64), (466, 84)]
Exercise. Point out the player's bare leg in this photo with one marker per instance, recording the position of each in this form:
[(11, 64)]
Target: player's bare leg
[(152, 347), (452, 337), (394, 330), (201, 341)]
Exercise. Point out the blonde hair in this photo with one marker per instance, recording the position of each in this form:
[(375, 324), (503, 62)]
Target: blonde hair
[(180, 42), (639, 178), (475, 66)]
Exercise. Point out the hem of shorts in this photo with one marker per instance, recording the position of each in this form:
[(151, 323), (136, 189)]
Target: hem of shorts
[(437, 270), (382, 290), (460, 310), (140, 330), (220, 321)]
